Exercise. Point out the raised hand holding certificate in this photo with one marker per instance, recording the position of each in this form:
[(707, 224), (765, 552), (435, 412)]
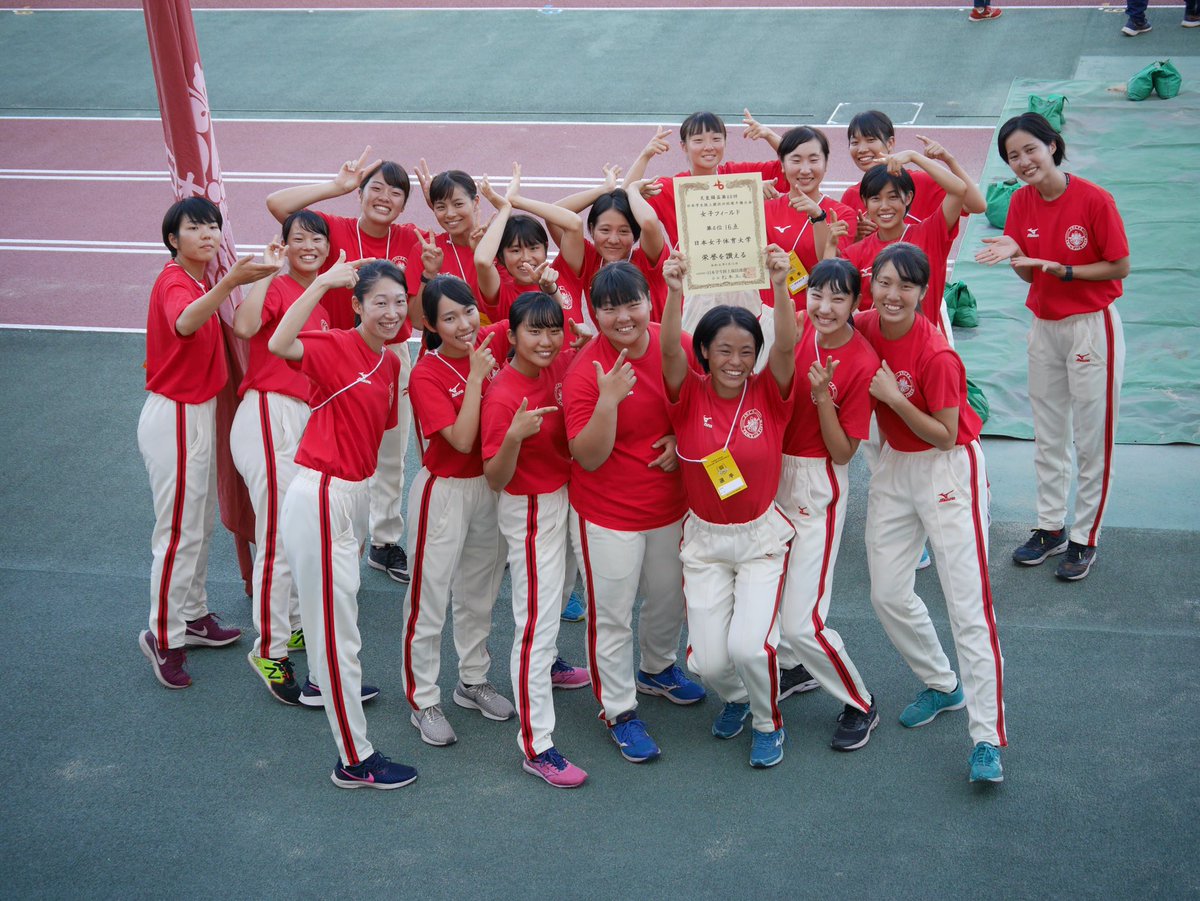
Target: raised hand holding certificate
[(723, 232)]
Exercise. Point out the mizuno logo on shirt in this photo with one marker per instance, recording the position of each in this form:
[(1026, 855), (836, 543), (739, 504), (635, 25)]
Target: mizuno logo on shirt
[(708, 422), (456, 391), (782, 228), (945, 497), (1032, 233)]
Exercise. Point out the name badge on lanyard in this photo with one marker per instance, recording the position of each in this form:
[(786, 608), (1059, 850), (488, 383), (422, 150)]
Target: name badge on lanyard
[(797, 277), (724, 473)]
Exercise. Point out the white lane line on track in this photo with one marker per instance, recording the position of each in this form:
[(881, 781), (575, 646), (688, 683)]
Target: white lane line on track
[(473, 123)]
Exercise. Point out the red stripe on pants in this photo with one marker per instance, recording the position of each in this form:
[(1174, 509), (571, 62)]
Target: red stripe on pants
[(272, 514), (989, 612), (168, 568), (414, 591), (593, 667), (818, 624), (531, 618), (1110, 376), (332, 691), (772, 658)]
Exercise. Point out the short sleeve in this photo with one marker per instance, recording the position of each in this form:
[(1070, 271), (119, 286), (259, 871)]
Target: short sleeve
[(497, 417), (580, 393), (430, 402), (941, 382)]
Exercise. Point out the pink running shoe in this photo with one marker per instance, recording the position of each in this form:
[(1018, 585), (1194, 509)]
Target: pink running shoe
[(168, 664), (555, 769), (209, 632), (563, 675)]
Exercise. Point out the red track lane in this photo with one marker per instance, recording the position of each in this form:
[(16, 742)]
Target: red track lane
[(109, 289)]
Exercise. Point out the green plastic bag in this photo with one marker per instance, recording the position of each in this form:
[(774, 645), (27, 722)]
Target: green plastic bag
[(1167, 80), (1161, 76), (998, 196), (978, 400), (1050, 106), (1141, 85), (961, 306)]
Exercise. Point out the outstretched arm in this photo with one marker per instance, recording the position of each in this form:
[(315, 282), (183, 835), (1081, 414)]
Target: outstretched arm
[(282, 204), (782, 359), (670, 333)]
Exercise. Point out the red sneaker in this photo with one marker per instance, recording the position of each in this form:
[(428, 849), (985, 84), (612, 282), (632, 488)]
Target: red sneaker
[(207, 631), (987, 12), (168, 664)]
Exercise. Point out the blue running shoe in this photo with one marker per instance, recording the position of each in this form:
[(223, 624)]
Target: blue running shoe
[(767, 749), (376, 771), (925, 560), (310, 695), (573, 612), (671, 684), (631, 737), (985, 763), (930, 703), (729, 721)]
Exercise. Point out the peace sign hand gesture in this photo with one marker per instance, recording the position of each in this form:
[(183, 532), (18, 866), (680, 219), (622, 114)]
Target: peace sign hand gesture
[(432, 256), (350, 175), (821, 377)]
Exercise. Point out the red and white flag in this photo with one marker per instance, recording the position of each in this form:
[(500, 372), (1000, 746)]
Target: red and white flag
[(196, 171)]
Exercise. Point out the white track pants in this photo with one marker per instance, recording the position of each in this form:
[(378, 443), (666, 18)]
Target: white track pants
[(535, 527), (324, 531), (616, 567), (942, 494), (1075, 370), (454, 550), (387, 485), (178, 445), (733, 577), (264, 437), (813, 494)]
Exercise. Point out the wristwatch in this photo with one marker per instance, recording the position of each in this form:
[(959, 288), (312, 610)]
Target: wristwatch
[(1068, 274), (820, 218)]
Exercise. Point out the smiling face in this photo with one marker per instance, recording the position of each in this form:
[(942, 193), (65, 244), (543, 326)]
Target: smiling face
[(704, 151), (887, 209), (457, 214), (804, 167), (895, 298), (1030, 160), (196, 242), (381, 203), (612, 236), (457, 326), (306, 251), (521, 259), (383, 310), (730, 355), (865, 151), (626, 326), (829, 310), (536, 347)]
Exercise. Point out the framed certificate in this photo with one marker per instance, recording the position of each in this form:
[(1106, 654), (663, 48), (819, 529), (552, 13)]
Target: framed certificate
[(723, 232)]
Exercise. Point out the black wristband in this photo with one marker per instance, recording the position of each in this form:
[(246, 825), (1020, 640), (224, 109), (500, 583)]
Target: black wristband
[(820, 218), (1069, 274), (425, 279)]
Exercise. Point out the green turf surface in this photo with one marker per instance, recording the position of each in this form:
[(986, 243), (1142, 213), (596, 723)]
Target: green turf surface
[(788, 65), (1143, 153), (119, 788)]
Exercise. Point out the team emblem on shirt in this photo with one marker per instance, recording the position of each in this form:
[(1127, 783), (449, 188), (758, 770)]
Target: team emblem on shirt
[(752, 423), (1077, 237), (567, 301), (832, 393), (904, 381)]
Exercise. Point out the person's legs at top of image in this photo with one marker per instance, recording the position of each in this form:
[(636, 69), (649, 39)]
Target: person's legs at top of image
[(1135, 18)]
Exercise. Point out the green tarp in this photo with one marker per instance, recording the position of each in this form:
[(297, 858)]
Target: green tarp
[(1146, 155)]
